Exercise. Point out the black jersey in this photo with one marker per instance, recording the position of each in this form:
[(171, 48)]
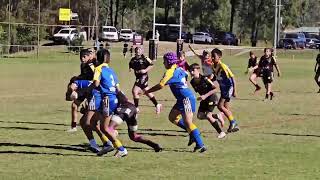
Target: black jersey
[(318, 59), (252, 62), (267, 63), (202, 85), (86, 71), (138, 64)]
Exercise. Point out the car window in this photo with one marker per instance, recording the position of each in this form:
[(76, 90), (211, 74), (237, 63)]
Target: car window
[(126, 31), (291, 36), (201, 34), (109, 29), (74, 32), (64, 31)]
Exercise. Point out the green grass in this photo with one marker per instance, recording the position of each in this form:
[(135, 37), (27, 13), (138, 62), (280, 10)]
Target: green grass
[(278, 139)]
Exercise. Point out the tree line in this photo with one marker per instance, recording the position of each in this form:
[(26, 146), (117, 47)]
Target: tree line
[(250, 20)]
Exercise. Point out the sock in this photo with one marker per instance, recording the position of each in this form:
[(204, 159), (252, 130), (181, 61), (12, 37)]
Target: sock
[(93, 143), (230, 118), (267, 96), (257, 86), (180, 122), (117, 144), (216, 126), (104, 139), (136, 101), (73, 124), (154, 101), (195, 134)]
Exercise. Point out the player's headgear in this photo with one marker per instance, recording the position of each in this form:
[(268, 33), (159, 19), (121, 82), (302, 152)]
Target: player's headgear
[(170, 58)]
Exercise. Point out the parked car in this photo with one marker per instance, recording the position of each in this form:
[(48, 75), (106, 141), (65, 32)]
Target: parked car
[(65, 35), (225, 38), (174, 35), (313, 43), (109, 33), (298, 38), (126, 35), (202, 37), (287, 44)]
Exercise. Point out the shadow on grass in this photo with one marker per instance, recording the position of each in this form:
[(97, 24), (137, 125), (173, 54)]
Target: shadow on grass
[(26, 122), (298, 135), (59, 147), (32, 129), (247, 99), (44, 153), (301, 114)]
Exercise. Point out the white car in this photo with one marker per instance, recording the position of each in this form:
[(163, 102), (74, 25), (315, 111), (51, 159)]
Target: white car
[(65, 34), (109, 33), (126, 34), (202, 37)]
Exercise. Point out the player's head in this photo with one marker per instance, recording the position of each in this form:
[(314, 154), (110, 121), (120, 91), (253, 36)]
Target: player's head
[(267, 52), (103, 56), (138, 51), (195, 70), (216, 55), (169, 59), (84, 55), (206, 54), (252, 55), (181, 55), (92, 54)]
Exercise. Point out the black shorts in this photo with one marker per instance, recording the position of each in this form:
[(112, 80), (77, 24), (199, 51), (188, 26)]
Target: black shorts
[(128, 113), (267, 76), (208, 104), (142, 81)]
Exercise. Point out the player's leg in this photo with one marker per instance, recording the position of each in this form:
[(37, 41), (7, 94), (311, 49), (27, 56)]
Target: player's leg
[(317, 79), (134, 136), (214, 123), (107, 144), (175, 117), (153, 100), (74, 117), (189, 104), (109, 106), (85, 124), (135, 93), (253, 79), (233, 126)]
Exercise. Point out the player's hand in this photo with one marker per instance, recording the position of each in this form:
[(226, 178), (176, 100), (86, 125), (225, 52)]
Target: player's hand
[(201, 98), (143, 71), (234, 94)]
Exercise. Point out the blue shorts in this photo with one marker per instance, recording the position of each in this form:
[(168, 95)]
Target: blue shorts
[(107, 105), (226, 92), (187, 104)]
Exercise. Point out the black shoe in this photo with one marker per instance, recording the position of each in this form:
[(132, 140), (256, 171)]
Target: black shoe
[(94, 150), (105, 150), (191, 141), (200, 149), (158, 148), (271, 95), (233, 127)]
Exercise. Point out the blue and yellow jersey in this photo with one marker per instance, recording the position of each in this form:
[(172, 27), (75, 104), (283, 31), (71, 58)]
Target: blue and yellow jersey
[(176, 78), (223, 74), (108, 79)]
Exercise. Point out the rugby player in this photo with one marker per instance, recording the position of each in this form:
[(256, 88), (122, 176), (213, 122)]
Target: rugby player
[(181, 113), (182, 62), (141, 65), (206, 62), (227, 84), (208, 98), (253, 67), (266, 63), (317, 71)]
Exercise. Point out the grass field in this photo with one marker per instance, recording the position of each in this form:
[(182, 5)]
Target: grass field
[(279, 139)]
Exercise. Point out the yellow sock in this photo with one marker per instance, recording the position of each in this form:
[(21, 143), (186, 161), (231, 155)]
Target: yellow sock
[(117, 143), (191, 128), (104, 139), (176, 121), (230, 118)]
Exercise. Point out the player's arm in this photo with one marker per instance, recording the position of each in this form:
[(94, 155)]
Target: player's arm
[(167, 76), (234, 93), (205, 96), (150, 66), (277, 67), (194, 52)]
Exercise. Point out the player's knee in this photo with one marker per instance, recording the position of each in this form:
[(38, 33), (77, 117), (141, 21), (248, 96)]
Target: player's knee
[(201, 115), (134, 136)]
